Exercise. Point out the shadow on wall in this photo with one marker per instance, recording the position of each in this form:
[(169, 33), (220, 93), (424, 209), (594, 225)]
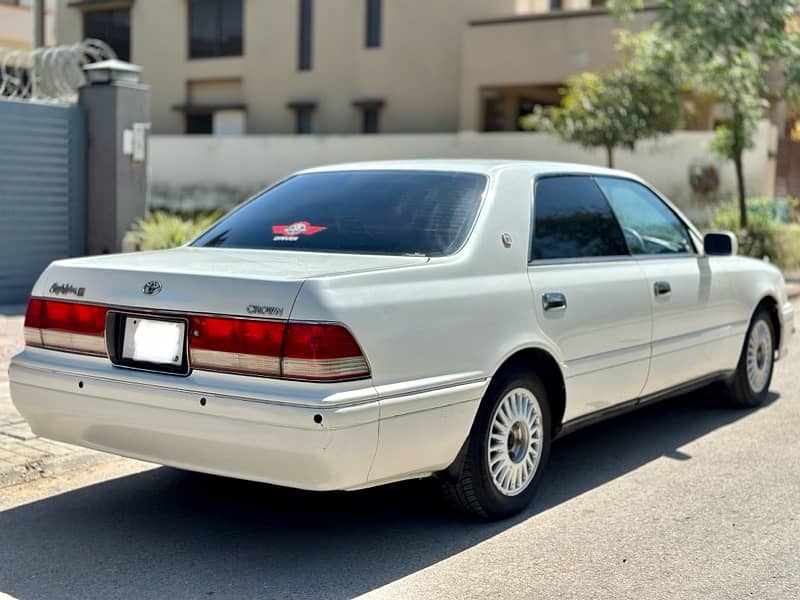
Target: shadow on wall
[(168, 533)]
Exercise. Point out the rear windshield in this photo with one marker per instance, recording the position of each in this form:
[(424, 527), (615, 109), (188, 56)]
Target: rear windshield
[(377, 212)]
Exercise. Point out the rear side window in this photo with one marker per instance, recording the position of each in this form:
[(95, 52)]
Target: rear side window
[(572, 219), (374, 212)]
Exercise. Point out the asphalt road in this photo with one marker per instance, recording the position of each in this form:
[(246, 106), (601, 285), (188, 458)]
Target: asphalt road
[(686, 499)]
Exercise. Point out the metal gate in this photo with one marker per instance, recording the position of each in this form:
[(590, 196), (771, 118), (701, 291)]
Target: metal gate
[(42, 191)]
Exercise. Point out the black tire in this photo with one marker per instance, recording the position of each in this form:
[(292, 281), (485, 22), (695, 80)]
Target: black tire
[(741, 392), (472, 489)]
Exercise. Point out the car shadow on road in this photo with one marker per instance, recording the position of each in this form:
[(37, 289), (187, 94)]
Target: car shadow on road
[(169, 533)]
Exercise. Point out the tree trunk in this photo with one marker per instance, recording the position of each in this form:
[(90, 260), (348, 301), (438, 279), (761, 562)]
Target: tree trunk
[(742, 195), (610, 156)]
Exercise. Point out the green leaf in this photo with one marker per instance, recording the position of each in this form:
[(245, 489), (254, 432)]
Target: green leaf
[(163, 229)]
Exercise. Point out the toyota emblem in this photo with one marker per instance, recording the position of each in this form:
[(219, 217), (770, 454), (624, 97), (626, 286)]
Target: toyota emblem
[(151, 288)]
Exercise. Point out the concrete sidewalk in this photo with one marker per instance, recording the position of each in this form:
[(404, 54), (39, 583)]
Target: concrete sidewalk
[(23, 455)]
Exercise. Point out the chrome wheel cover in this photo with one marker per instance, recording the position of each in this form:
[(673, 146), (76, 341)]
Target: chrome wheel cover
[(760, 355), (516, 433)]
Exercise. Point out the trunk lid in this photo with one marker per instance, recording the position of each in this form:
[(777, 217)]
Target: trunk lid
[(205, 280)]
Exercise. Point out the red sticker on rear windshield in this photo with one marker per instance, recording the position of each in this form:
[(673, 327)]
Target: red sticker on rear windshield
[(290, 233)]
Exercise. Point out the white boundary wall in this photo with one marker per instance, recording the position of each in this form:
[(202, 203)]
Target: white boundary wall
[(190, 172)]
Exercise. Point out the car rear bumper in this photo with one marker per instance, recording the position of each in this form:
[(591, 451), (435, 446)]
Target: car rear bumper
[(297, 434), (208, 432)]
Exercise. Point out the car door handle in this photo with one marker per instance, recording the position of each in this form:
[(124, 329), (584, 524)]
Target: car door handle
[(662, 288), (554, 301)]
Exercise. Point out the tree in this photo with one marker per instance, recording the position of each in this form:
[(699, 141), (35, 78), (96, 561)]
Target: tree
[(639, 99), (736, 82), (729, 47)]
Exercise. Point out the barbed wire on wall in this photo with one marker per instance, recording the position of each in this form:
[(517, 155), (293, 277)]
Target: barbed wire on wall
[(51, 74)]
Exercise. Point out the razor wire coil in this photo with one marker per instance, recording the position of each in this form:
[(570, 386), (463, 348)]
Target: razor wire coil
[(51, 74)]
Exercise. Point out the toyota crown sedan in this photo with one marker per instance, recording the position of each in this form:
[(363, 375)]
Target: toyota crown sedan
[(362, 324)]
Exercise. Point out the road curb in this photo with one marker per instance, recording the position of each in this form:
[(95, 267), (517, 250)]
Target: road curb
[(51, 466)]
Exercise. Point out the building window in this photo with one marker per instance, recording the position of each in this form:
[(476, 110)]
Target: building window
[(216, 121), (494, 113), (200, 123), (302, 121), (112, 27), (228, 122), (599, 3), (373, 23), (369, 119), (555, 5), (370, 113), (305, 33), (303, 111), (215, 28)]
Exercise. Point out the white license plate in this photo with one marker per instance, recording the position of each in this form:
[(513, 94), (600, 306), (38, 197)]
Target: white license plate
[(158, 342)]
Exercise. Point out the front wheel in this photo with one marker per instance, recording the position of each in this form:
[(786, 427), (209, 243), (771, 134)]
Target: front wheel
[(750, 384), (507, 449)]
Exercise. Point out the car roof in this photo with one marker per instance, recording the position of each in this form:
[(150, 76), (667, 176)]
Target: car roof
[(482, 166)]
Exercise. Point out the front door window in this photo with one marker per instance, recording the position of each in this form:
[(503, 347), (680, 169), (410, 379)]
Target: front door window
[(650, 227)]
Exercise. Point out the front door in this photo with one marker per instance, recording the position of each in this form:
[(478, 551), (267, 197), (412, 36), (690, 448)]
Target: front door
[(591, 296), (693, 330)]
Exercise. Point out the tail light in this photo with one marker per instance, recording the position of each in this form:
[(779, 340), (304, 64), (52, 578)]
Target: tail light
[(33, 323), (236, 345), (66, 326), (321, 352), (313, 352)]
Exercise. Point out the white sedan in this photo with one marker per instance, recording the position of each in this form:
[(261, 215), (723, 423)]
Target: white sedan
[(362, 324)]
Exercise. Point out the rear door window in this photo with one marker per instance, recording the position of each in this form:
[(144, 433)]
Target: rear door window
[(572, 219), (376, 212)]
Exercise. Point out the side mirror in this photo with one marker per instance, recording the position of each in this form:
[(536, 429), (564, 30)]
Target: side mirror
[(720, 243)]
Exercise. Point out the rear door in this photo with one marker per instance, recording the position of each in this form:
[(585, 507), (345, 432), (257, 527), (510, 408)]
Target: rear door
[(695, 328), (591, 297)]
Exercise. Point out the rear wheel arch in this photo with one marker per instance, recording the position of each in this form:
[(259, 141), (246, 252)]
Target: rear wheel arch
[(485, 480), (546, 367)]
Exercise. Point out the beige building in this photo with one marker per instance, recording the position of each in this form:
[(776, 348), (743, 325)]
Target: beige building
[(347, 66), (16, 24)]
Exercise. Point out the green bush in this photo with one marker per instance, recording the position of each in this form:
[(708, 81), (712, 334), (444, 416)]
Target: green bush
[(765, 236), (777, 208), (162, 229), (791, 247), (794, 209)]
